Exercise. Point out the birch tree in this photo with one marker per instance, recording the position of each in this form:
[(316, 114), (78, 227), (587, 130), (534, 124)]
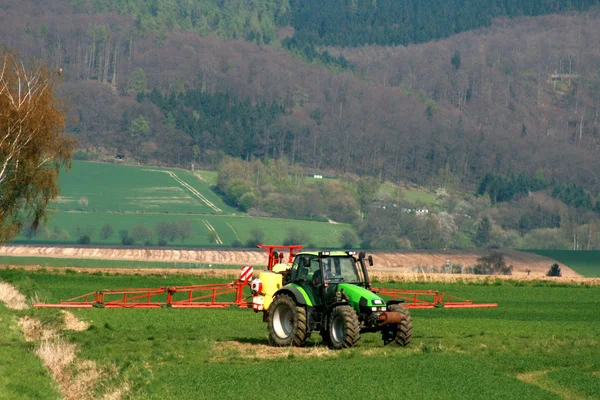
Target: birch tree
[(32, 146)]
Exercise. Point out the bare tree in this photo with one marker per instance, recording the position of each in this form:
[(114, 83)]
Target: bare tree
[(32, 148)]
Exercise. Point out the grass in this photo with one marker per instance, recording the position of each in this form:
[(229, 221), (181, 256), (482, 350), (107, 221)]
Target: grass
[(21, 373), (124, 196), (587, 263), (210, 177), (541, 343), (415, 196), (127, 188), (229, 228)]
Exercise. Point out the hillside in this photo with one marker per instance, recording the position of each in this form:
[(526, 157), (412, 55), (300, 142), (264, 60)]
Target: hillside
[(111, 204), (405, 112), (499, 112)]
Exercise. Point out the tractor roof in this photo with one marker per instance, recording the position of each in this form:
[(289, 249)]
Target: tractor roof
[(331, 253)]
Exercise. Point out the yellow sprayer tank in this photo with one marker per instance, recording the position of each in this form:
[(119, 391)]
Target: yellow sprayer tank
[(271, 282)]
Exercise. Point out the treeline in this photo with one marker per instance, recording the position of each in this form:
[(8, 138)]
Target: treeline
[(218, 121), (501, 188), (393, 22), (164, 232), (504, 189), (255, 21), (273, 188), (330, 22)]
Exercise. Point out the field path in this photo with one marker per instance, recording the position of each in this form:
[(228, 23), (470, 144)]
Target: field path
[(234, 231), (384, 261), (212, 229), (194, 191)]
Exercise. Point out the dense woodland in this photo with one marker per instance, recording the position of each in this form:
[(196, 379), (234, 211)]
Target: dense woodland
[(181, 82)]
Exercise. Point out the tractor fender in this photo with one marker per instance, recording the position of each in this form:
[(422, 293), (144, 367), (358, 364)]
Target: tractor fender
[(296, 294)]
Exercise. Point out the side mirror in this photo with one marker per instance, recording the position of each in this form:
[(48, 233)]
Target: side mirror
[(371, 261)]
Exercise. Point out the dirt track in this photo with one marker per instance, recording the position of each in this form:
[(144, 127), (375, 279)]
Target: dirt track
[(397, 262)]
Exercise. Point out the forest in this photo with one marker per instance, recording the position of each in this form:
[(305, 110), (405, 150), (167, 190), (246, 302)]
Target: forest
[(518, 98)]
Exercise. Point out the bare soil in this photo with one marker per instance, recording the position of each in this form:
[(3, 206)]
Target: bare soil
[(384, 261)]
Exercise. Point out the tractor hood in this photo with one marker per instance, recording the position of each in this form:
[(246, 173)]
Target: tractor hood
[(359, 296)]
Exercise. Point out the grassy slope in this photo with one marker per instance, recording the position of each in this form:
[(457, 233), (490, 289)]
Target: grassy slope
[(321, 234), (587, 263), (474, 354), (21, 373), (125, 196), (116, 188)]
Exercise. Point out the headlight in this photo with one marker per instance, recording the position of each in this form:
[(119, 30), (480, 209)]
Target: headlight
[(377, 301), (373, 308), (381, 308)]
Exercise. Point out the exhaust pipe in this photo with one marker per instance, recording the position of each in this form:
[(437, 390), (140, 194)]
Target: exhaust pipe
[(390, 317)]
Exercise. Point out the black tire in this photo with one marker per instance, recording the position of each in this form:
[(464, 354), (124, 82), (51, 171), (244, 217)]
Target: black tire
[(404, 328), (287, 323), (325, 336), (344, 328)]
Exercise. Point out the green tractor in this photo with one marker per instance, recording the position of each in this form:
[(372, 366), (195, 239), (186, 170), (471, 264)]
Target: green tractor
[(329, 293)]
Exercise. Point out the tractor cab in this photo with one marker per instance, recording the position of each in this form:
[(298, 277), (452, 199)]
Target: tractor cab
[(320, 274)]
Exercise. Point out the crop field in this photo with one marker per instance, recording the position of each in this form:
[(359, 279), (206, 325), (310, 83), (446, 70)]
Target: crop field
[(587, 263), (227, 227), (95, 194), (543, 342), (125, 188)]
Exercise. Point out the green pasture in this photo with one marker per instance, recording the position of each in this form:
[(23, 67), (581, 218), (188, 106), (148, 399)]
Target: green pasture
[(210, 177), (543, 342), (22, 375), (587, 262), (415, 196), (124, 196), (127, 188), (228, 227)]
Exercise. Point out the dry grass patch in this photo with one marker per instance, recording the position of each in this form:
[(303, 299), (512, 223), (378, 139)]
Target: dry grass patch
[(78, 379), (72, 323), (540, 379), (34, 330), (232, 349), (12, 297)]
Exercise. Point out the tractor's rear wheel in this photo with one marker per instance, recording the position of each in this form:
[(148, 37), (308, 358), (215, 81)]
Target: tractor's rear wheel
[(287, 322), (344, 328), (402, 332)]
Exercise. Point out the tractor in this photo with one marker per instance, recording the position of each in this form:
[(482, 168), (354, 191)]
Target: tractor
[(311, 291), (327, 292)]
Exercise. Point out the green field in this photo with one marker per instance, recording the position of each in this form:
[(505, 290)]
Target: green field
[(126, 188), (543, 342), (126, 196), (587, 263), (228, 227), (22, 375)]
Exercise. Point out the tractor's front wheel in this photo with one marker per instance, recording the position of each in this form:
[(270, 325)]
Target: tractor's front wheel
[(287, 323), (401, 332), (344, 328)]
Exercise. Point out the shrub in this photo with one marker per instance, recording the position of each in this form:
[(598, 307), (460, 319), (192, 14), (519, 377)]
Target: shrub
[(492, 264), (554, 270), (85, 239), (348, 239), (106, 231), (237, 243), (257, 235)]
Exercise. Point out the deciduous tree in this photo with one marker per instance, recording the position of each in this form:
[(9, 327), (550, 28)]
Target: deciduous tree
[(32, 146)]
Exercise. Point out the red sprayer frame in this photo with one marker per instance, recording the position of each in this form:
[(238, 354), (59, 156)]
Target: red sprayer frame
[(225, 295)]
